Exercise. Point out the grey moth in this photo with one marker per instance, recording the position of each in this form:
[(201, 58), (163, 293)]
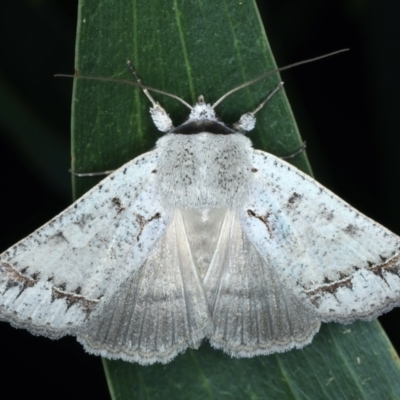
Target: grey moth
[(203, 237)]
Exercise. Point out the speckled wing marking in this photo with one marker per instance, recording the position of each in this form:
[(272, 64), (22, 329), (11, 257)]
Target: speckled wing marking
[(344, 263), (51, 281)]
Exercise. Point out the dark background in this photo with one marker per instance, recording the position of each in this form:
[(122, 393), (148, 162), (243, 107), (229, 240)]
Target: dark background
[(346, 106)]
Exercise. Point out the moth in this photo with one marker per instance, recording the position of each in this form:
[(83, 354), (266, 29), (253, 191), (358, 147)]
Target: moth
[(203, 237)]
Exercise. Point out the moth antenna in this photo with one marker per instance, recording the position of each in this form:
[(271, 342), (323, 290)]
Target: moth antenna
[(139, 81), (146, 90), (137, 84), (274, 71)]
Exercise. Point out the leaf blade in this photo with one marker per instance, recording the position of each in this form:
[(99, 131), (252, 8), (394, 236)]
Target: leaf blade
[(192, 48)]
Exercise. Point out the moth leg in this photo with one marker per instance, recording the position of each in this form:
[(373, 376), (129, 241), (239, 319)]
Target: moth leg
[(90, 174), (269, 97), (247, 121), (295, 153)]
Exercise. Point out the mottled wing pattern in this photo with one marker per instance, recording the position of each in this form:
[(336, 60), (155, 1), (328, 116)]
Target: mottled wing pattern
[(51, 281), (346, 264), (253, 311), (159, 311)]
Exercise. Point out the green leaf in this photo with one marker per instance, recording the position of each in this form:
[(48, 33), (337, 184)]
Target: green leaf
[(190, 48)]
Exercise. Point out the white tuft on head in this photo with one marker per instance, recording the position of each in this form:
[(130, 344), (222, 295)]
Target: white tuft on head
[(202, 111)]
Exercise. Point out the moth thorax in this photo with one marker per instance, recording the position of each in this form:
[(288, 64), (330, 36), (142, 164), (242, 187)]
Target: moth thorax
[(204, 170)]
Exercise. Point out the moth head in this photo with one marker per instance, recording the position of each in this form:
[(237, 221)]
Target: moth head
[(202, 111)]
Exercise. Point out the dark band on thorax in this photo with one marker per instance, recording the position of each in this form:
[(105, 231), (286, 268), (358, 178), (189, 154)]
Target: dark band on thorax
[(194, 127)]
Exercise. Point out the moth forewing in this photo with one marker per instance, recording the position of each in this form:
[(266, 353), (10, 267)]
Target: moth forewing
[(70, 263), (347, 264)]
